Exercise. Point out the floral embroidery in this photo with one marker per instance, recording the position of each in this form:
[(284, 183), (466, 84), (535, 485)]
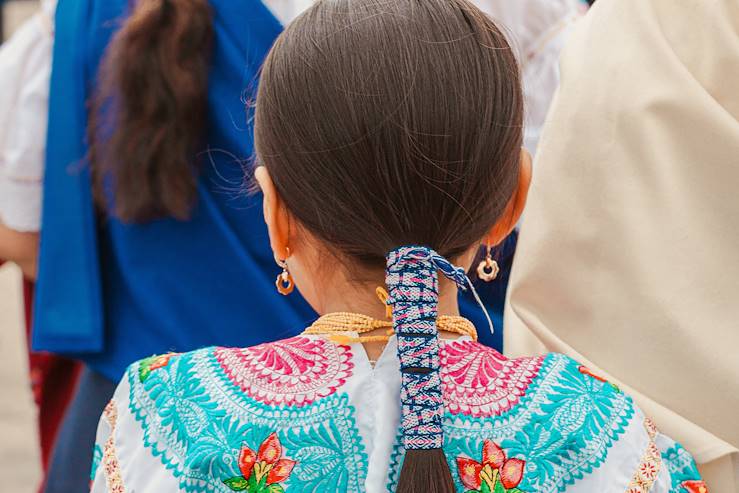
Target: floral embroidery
[(495, 473), (293, 372), (587, 371), (571, 431), (110, 463), (563, 427), (650, 465), (263, 471), (197, 422), (651, 428), (148, 365), (695, 486), (479, 382), (684, 474)]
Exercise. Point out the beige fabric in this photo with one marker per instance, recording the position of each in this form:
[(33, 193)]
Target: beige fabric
[(629, 252), (721, 474)]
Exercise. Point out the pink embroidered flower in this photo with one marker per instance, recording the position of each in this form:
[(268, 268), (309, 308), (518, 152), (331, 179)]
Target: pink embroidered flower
[(495, 473), (262, 471)]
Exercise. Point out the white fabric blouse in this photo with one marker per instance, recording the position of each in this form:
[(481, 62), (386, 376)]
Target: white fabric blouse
[(310, 415)]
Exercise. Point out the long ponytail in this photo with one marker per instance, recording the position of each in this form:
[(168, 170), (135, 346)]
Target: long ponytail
[(386, 123), (148, 115), (413, 288)]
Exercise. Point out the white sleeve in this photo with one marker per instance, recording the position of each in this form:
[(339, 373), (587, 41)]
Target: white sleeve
[(25, 70), (106, 475), (537, 30), (540, 69), (123, 459)]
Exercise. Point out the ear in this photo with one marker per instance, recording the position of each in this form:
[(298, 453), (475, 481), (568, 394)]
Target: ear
[(275, 214), (515, 206)]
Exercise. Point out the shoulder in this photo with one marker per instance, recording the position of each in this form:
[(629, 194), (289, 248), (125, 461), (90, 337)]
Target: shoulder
[(296, 371), (584, 430), (553, 416), (480, 382), (204, 415)]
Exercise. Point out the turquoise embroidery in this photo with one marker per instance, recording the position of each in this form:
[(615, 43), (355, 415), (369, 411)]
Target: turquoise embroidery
[(196, 421), (563, 427), (681, 466), (571, 434), (97, 457)]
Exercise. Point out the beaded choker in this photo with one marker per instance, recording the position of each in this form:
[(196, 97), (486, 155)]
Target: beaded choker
[(337, 325)]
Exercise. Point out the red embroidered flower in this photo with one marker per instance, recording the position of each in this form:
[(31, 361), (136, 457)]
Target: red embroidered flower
[(648, 471), (261, 472), (695, 486), (511, 473), (495, 473), (469, 472)]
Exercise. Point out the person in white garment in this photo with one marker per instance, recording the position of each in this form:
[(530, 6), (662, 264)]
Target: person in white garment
[(25, 67), (629, 252)]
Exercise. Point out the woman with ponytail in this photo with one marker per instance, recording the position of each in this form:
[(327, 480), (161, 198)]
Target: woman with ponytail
[(147, 245), (389, 136)]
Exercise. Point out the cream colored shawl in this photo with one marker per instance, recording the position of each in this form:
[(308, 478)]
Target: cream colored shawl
[(629, 253)]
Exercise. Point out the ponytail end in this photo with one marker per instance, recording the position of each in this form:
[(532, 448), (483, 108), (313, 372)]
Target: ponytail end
[(425, 471)]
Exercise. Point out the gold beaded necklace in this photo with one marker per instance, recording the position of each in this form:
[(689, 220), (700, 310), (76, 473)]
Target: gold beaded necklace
[(336, 325)]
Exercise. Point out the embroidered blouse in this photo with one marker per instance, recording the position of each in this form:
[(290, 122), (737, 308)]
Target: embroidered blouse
[(310, 415)]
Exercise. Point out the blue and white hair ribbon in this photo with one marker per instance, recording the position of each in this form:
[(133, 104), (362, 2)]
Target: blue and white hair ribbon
[(413, 289)]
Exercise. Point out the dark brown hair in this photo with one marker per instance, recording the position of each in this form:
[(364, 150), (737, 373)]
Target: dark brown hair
[(390, 123), (148, 115)]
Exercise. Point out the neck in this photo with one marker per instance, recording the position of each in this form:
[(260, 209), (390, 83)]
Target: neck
[(362, 299)]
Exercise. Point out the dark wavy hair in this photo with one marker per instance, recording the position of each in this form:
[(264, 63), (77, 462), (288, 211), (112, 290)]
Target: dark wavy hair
[(390, 123), (149, 112)]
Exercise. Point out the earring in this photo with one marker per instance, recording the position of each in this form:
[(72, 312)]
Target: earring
[(284, 282), (488, 269)]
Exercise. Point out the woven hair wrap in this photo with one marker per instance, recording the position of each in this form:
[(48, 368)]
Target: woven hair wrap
[(413, 288)]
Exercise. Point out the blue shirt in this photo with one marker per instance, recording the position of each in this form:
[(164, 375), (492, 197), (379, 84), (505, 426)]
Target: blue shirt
[(111, 293)]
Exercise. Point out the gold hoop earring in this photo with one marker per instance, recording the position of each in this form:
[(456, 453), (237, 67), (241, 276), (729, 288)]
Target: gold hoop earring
[(488, 269), (284, 282)]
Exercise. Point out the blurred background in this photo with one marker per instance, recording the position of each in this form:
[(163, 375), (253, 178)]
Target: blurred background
[(19, 464)]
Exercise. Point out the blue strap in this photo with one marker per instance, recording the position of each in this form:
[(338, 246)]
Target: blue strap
[(68, 311)]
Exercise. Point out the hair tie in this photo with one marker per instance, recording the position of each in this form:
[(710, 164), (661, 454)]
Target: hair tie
[(413, 288)]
